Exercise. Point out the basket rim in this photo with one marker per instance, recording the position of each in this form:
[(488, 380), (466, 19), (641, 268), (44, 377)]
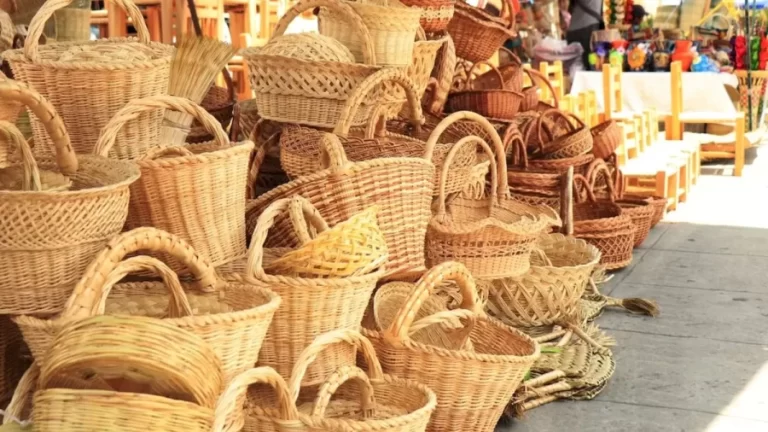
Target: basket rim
[(252, 55), (17, 56), (529, 224), (198, 158), (578, 245), (125, 165)]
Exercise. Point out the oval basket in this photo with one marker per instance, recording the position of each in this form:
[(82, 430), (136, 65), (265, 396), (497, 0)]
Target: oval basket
[(479, 35), (496, 103)]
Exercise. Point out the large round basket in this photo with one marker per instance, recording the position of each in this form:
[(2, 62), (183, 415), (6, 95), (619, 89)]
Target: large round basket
[(50, 235), (571, 140), (391, 24), (472, 387), (311, 305), (376, 402), (311, 92), (195, 192), (88, 82), (550, 293), (477, 34)]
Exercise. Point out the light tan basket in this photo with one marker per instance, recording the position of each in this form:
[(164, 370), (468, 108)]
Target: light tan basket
[(195, 192), (50, 236), (311, 92), (377, 402), (160, 377), (310, 307), (391, 24), (473, 386), (88, 82), (551, 291), (492, 236)]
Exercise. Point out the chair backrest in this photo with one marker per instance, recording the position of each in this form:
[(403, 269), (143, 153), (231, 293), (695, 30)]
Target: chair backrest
[(676, 77), (613, 100), (554, 72)]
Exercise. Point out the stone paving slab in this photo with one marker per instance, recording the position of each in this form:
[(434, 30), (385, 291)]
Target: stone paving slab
[(654, 235), (722, 240)]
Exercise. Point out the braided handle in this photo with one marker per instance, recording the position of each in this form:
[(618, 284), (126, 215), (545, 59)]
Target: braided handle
[(339, 378), (552, 114), (136, 107), (36, 27), (46, 113), (373, 82), (255, 262), (24, 390), (443, 71), (580, 180), (30, 172), (533, 74), (235, 392), (599, 166), (333, 155), (260, 153), (468, 82), (474, 141), (91, 285), (319, 345), (360, 29), (399, 330), (304, 215)]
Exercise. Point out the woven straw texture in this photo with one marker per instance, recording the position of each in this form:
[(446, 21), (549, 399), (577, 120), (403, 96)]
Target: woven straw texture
[(479, 35), (550, 292), (49, 236), (472, 386), (400, 187), (492, 236), (310, 306), (508, 77), (573, 140), (496, 103), (232, 317), (88, 82), (392, 27), (435, 14), (418, 70), (442, 77), (219, 102), (355, 247), (376, 402), (310, 92), (641, 212), (606, 139), (531, 93), (7, 31), (194, 192), (301, 148), (173, 376)]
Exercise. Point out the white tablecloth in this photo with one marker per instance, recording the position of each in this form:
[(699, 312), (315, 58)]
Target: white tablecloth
[(702, 91)]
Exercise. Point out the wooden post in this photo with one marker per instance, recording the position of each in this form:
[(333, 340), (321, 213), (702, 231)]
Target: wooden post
[(566, 202)]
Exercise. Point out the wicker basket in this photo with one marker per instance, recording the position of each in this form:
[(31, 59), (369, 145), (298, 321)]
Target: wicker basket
[(435, 14), (573, 139), (88, 82), (345, 188), (198, 192), (50, 236), (496, 103), (492, 236), (509, 76), (376, 402), (551, 291), (439, 85), (391, 24), (219, 102), (7, 31), (603, 224), (659, 206), (479, 35), (311, 92), (265, 172), (531, 93), (641, 212), (9, 111), (301, 148), (171, 379), (606, 139), (472, 387), (12, 358), (311, 306)]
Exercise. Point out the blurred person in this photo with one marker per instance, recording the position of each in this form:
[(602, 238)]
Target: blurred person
[(586, 17)]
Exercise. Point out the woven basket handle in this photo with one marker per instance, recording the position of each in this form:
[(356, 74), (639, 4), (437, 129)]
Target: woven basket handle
[(515, 59), (498, 146), (475, 68), (443, 72), (369, 53), (304, 215), (37, 25), (30, 172), (34, 101), (508, 12), (516, 147), (319, 345), (259, 154), (23, 394), (373, 82), (448, 318), (551, 114), (237, 388), (596, 167), (136, 107), (140, 239), (581, 181), (340, 377), (399, 330), (536, 75), (474, 142)]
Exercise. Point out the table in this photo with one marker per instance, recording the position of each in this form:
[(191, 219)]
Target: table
[(702, 91)]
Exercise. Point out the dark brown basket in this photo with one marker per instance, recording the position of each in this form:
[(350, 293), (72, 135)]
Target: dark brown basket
[(531, 93), (498, 103), (511, 76), (477, 34), (606, 138)]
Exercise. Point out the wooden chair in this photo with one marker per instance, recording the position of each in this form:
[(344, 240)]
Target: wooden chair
[(243, 19), (554, 72), (680, 117), (211, 16), (112, 19)]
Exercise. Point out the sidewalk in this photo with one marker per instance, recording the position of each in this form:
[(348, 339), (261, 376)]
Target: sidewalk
[(703, 364)]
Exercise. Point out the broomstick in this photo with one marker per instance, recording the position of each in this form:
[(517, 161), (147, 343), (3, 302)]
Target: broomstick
[(194, 67)]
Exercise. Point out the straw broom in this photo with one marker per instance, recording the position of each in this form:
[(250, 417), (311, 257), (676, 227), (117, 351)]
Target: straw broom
[(194, 66)]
